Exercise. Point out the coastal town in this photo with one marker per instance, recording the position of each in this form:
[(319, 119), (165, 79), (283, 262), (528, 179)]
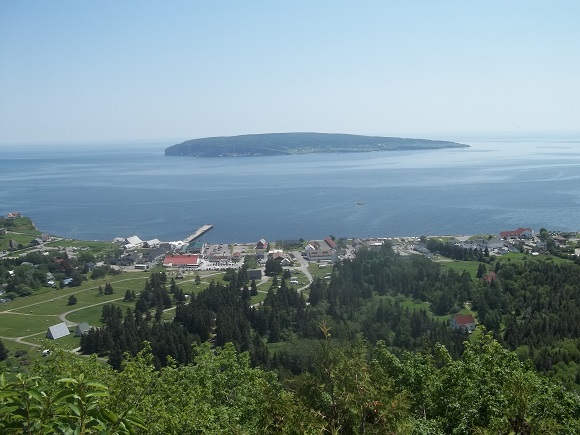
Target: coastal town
[(192, 253), (190, 257)]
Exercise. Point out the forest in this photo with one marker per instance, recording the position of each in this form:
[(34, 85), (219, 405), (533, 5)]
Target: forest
[(355, 355), (298, 143)]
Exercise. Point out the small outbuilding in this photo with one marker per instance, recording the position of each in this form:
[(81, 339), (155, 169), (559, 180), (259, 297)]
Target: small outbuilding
[(82, 329), (255, 274), (57, 331)]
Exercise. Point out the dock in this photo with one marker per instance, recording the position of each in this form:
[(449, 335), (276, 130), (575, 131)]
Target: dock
[(198, 233)]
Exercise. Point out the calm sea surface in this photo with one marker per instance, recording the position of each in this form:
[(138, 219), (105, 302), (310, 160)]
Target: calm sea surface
[(103, 191)]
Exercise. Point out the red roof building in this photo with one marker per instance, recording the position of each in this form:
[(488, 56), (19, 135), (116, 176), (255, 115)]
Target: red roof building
[(181, 261), (465, 322), (489, 277), (520, 233), (330, 242)]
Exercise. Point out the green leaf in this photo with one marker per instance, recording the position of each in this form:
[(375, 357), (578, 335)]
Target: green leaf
[(74, 409), (97, 385), (62, 395), (8, 409), (35, 394), (97, 394), (109, 415), (68, 381)]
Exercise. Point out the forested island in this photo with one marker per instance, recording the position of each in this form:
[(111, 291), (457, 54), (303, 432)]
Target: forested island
[(272, 144)]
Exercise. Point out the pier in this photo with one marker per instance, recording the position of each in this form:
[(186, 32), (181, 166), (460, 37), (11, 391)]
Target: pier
[(198, 233)]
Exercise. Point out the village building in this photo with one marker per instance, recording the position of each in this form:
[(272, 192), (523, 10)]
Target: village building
[(489, 277), (465, 322), (321, 255), (520, 233), (187, 260), (330, 243), (254, 274), (262, 244), (82, 329), (133, 242), (194, 247), (153, 243), (57, 331)]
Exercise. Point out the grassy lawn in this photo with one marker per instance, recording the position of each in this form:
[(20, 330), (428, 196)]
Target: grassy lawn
[(92, 315), (258, 298), (22, 239), (19, 325), (460, 266), (94, 247), (319, 272), (34, 314)]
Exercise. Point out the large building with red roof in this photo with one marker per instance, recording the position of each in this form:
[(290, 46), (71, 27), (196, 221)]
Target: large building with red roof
[(520, 233), (187, 260)]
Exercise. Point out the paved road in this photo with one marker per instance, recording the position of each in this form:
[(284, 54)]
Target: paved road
[(303, 268)]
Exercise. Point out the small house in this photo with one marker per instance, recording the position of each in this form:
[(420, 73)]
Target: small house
[(262, 244), (254, 274), (82, 329), (465, 322)]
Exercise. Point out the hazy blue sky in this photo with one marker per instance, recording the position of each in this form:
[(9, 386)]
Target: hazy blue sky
[(119, 70)]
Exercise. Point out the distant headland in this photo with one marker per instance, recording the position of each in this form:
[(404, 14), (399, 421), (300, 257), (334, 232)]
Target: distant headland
[(273, 144)]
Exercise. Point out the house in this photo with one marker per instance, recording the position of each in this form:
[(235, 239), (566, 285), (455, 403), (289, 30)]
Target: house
[(520, 233), (126, 260), (465, 322), (14, 215), (494, 243), (309, 247), (330, 243), (489, 277), (281, 258), (36, 242), (67, 281), (561, 241), (133, 242), (82, 329), (320, 254), (262, 244), (154, 243), (57, 331), (255, 274)]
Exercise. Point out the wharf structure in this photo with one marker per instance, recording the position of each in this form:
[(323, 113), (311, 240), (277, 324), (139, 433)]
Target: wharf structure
[(204, 229)]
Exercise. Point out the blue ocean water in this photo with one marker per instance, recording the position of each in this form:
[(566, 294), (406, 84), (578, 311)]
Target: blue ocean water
[(98, 192)]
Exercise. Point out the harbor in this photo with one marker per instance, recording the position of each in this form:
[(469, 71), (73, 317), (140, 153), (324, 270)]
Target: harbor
[(204, 229)]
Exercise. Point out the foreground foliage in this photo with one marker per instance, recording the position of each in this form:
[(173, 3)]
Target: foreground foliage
[(354, 388)]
